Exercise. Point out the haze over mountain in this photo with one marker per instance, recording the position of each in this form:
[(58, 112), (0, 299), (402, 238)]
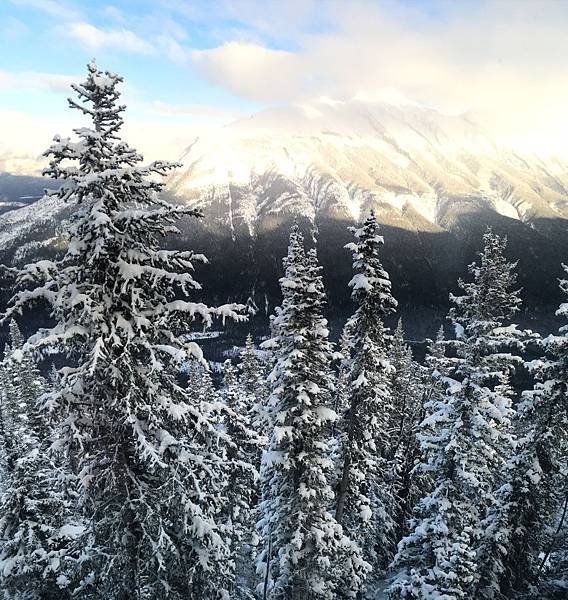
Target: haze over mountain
[(434, 181), (337, 159)]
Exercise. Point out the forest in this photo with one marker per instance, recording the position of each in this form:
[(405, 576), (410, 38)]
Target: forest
[(313, 470)]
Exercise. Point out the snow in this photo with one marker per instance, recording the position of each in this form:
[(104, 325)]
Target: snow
[(506, 209), (425, 205), (17, 355), (462, 432), (325, 154), (71, 531), (325, 414), (360, 282), (280, 433), (424, 157)]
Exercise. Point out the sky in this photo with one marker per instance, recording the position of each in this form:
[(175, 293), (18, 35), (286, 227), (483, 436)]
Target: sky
[(190, 65)]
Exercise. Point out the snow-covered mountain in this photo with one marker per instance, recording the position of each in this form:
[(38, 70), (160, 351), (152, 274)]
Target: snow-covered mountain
[(417, 167), (434, 181)]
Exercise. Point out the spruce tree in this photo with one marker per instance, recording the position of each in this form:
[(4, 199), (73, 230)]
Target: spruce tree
[(244, 445), (26, 383), (12, 415), (524, 525), (252, 380), (436, 361), (37, 527), (438, 367), (4, 442), (465, 437), (364, 496), (306, 554), (200, 386), (342, 395), (147, 456), (407, 389), (22, 386)]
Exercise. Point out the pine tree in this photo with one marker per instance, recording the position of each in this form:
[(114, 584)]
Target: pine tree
[(146, 454), (252, 379), (242, 495), (200, 386), (524, 523), (436, 361), (306, 555), (465, 437), (342, 392), (12, 424), (438, 367), (26, 381), (406, 385), (364, 496), (36, 524), (22, 385), (4, 441)]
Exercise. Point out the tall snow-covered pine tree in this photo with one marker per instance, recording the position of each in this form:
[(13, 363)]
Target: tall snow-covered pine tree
[(407, 392), (146, 456), (306, 554), (37, 526), (465, 437), (525, 523), (364, 495)]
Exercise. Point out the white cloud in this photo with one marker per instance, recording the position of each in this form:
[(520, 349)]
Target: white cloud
[(25, 137), (252, 71), (251, 20), (23, 140), (175, 51), (95, 38), (52, 82), (54, 8), (192, 110), (506, 61)]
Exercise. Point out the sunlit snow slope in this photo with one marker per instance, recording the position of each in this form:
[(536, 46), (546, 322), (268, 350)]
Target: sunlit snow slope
[(418, 168)]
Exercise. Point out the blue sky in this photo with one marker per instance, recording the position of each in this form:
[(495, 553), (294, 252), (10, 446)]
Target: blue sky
[(151, 42), (137, 38), (192, 64)]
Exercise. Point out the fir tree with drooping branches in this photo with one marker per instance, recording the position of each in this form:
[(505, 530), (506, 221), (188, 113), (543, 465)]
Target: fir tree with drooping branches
[(530, 515), (146, 456), (243, 449), (253, 381), (364, 503), (407, 391), (306, 554), (11, 414)]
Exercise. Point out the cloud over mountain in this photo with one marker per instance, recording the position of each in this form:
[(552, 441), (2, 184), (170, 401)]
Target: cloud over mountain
[(506, 61)]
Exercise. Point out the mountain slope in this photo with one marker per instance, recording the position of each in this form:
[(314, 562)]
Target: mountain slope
[(336, 160), (435, 182)]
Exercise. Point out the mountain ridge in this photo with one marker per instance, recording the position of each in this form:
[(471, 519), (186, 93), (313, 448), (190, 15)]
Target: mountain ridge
[(405, 157), (434, 181)]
